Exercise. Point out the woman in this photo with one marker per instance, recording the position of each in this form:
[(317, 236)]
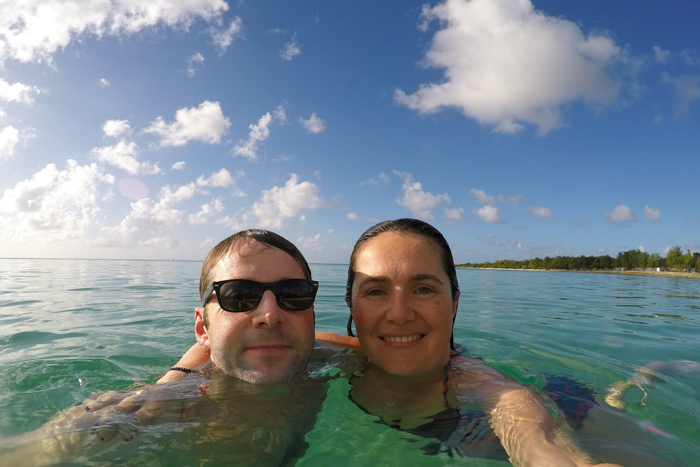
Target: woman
[(403, 294)]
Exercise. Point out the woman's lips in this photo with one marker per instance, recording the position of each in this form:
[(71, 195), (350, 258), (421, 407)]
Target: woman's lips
[(402, 339)]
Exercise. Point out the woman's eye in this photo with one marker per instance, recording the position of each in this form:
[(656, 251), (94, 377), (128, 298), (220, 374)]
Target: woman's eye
[(375, 292), (424, 289)]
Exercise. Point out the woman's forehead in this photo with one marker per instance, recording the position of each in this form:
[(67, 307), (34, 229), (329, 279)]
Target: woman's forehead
[(397, 250)]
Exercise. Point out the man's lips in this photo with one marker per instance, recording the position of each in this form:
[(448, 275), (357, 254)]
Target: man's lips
[(269, 348), (410, 339)]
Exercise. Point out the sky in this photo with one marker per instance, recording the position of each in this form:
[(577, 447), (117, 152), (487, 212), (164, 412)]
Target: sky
[(152, 129)]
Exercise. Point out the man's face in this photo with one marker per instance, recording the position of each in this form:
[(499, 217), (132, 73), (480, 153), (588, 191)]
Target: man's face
[(264, 345)]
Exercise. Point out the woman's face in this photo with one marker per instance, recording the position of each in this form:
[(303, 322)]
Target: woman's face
[(402, 304)]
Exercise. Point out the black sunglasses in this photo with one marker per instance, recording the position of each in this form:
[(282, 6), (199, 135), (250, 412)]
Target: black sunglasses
[(239, 295)]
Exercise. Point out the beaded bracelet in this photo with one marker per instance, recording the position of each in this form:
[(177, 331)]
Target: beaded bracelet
[(180, 368)]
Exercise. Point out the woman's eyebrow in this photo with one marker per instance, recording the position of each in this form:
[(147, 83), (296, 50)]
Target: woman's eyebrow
[(422, 277), (414, 278), (374, 279)]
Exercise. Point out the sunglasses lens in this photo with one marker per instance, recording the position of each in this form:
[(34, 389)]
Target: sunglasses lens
[(295, 294), (240, 295)]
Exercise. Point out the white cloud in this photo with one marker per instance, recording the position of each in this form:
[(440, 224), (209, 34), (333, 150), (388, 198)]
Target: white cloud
[(507, 65), (652, 214), (220, 179), (279, 114), (420, 203), (291, 49), (206, 212), (9, 138), (34, 31), (315, 243), (454, 215), (205, 123), (485, 199), (492, 240), (519, 247), (125, 156), (482, 197), (281, 203), (223, 38), (179, 165), (540, 212), (314, 124), (116, 128), (105, 83), (381, 178), (53, 204), (148, 221), (17, 92), (351, 216), (488, 214), (194, 64), (686, 89), (258, 133), (660, 55), (579, 222), (621, 215)]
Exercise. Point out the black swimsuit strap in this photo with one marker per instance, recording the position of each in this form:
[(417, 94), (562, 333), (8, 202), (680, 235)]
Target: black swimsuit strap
[(444, 385)]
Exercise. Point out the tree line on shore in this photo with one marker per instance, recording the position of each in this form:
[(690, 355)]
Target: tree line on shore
[(627, 260)]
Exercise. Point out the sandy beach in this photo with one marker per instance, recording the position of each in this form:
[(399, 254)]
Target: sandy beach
[(687, 275)]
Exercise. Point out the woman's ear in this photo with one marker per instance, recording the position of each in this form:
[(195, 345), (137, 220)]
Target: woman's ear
[(455, 304), (200, 329)]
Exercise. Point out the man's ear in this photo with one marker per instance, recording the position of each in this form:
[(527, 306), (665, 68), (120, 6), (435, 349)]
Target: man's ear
[(200, 330)]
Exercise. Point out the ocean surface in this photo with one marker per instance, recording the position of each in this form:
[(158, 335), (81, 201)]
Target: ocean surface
[(73, 328)]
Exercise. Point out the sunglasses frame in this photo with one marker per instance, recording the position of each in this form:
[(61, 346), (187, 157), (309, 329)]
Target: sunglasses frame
[(272, 286)]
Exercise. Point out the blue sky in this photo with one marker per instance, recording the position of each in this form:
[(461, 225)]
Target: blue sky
[(154, 129)]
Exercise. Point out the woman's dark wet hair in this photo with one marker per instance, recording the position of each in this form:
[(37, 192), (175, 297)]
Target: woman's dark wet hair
[(264, 237), (408, 226)]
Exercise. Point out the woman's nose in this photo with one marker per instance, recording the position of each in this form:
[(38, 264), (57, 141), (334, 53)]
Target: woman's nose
[(400, 309)]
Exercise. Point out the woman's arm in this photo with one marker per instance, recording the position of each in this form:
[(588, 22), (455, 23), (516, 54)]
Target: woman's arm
[(518, 417), (194, 357), (198, 355)]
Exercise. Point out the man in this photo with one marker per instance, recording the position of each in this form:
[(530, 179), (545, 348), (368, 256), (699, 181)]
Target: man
[(256, 322), (256, 319)]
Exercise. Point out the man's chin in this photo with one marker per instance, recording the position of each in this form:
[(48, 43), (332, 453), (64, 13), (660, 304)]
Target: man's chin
[(266, 376), (263, 370)]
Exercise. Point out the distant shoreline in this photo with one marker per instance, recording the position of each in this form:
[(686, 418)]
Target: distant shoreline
[(687, 275)]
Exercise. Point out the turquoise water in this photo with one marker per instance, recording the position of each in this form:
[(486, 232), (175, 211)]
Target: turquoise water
[(71, 328)]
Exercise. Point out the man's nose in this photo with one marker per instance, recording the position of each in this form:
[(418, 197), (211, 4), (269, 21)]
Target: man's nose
[(267, 313)]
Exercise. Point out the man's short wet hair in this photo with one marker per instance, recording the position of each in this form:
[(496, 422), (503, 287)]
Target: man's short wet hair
[(264, 237)]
